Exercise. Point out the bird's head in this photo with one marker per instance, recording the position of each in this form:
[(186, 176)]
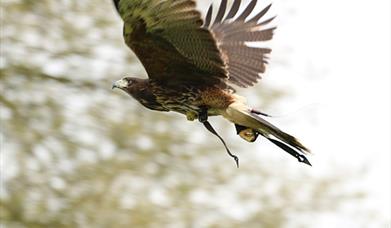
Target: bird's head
[(127, 84)]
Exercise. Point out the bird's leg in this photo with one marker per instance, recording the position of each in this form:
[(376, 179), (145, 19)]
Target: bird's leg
[(203, 114)]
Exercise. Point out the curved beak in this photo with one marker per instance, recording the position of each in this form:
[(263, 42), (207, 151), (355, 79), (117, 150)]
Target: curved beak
[(119, 84)]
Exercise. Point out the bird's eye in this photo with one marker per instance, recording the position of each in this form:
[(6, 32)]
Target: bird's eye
[(130, 81)]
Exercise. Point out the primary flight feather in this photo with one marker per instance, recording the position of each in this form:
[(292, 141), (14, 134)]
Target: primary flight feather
[(192, 64)]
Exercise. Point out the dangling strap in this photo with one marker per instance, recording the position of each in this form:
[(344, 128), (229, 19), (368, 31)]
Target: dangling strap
[(212, 130)]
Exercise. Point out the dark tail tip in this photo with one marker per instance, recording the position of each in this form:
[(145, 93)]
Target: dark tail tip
[(292, 141), (291, 151)]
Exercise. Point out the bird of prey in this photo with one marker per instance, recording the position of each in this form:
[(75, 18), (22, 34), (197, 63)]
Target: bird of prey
[(193, 64)]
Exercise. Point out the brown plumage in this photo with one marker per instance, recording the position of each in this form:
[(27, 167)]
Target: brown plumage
[(192, 65)]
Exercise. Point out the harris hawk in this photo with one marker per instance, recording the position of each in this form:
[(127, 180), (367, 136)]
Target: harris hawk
[(192, 63)]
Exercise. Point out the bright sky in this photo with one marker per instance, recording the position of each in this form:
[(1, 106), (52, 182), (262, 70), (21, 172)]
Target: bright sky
[(335, 56), (339, 67)]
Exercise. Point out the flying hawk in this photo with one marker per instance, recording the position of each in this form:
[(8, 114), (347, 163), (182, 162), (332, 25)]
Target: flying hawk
[(192, 64)]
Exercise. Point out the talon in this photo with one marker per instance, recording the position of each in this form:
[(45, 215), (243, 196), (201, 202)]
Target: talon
[(191, 116), (248, 134)]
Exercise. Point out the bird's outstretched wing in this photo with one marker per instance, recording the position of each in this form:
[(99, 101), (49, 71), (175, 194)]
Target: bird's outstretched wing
[(168, 38), (232, 32)]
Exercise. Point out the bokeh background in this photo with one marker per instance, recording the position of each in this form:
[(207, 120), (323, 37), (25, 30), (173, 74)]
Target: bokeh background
[(74, 153)]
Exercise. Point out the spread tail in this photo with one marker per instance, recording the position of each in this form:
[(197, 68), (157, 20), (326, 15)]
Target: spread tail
[(240, 114)]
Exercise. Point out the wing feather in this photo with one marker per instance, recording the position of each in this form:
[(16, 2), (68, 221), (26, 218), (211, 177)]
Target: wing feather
[(168, 38), (247, 11), (221, 12), (172, 42), (234, 9), (208, 16), (244, 63), (260, 14), (261, 35)]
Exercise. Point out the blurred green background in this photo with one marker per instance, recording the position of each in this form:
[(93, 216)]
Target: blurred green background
[(74, 153)]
